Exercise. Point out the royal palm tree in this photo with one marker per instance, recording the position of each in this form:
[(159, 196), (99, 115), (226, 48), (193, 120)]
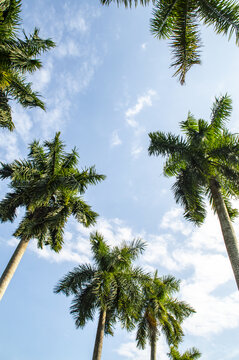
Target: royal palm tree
[(110, 285), (50, 187), (179, 21), (191, 354), (205, 163), (18, 56), (128, 3), (159, 312)]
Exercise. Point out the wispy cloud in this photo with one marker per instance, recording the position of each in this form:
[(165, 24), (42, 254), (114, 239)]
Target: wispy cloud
[(138, 130), (115, 139), (142, 101), (143, 46), (136, 151), (130, 351)]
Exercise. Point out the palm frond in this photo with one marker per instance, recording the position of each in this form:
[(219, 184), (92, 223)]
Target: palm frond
[(189, 193), (166, 144), (221, 111), (162, 23), (185, 40), (75, 279), (223, 15), (21, 91), (5, 113)]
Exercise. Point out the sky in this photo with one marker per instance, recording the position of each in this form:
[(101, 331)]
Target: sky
[(106, 85)]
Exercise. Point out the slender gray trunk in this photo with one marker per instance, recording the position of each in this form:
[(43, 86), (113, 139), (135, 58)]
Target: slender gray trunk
[(99, 336), (229, 236), (12, 265), (153, 342)]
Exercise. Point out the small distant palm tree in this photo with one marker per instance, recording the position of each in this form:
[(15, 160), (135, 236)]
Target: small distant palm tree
[(191, 354), (205, 164), (128, 3), (50, 187), (179, 21), (159, 312), (110, 285), (17, 58)]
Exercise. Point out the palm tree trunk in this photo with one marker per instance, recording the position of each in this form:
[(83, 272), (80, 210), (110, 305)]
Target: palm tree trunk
[(229, 236), (12, 266), (99, 336), (153, 346)]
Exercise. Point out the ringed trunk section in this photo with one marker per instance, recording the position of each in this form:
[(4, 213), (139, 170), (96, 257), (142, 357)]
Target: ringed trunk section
[(99, 336), (12, 266), (229, 235)]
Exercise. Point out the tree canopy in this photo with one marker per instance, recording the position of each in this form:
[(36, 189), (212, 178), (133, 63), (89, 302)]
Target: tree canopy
[(18, 56)]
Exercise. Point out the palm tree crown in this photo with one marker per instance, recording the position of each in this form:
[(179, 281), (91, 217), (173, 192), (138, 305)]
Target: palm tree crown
[(205, 163), (191, 354), (17, 58), (110, 285), (159, 312), (179, 21), (47, 184)]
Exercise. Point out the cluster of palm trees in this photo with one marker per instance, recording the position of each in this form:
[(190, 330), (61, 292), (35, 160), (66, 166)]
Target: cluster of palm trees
[(49, 186), (125, 293)]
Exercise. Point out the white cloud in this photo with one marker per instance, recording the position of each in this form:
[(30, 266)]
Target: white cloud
[(70, 47), (138, 130), (77, 22), (142, 101), (9, 149), (115, 139), (136, 151), (42, 77), (129, 349), (172, 220), (143, 46)]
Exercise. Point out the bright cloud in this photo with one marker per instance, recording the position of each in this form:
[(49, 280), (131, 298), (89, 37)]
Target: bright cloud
[(130, 351), (136, 151), (142, 101), (115, 139)]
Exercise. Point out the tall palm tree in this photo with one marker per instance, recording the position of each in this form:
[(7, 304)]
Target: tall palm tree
[(191, 354), (159, 312), (50, 187), (127, 3), (110, 286), (205, 164), (179, 21), (18, 56)]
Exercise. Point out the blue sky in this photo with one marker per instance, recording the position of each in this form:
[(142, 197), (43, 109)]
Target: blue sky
[(106, 85)]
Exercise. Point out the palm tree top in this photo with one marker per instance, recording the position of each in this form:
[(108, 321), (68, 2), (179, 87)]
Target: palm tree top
[(18, 56), (208, 152), (50, 187), (128, 3), (191, 354), (107, 284)]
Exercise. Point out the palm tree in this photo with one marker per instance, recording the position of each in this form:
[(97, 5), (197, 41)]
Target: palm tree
[(191, 354), (50, 187), (109, 286), (205, 163), (127, 2), (17, 58), (160, 312), (179, 21)]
